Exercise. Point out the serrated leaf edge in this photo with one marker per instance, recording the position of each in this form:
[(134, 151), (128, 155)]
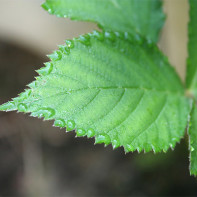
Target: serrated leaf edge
[(56, 56)]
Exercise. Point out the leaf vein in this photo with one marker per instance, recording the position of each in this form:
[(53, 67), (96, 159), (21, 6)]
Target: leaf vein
[(153, 121)]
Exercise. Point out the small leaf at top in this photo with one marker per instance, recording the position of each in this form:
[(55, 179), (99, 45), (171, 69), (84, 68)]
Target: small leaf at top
[(115, 87), (142, 16)]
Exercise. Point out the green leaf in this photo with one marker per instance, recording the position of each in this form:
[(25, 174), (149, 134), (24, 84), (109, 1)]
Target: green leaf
[(191, 76), (191, 84), (113, 86), (142, 16), (193, 141)]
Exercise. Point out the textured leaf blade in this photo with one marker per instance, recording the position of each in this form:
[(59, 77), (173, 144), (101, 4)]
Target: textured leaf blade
[(115, 87), (193, 141), (191, 75), (141, 16)]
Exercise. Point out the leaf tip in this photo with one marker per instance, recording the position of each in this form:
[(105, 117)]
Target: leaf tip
[(9, 106)]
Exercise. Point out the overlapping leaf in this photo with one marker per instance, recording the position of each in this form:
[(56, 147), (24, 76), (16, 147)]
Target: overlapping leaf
[(141, 16), (191, 82), (113, 86)]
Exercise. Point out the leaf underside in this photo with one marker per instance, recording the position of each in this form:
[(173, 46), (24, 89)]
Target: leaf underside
[(191, 83), (115, 87), (142, 16)]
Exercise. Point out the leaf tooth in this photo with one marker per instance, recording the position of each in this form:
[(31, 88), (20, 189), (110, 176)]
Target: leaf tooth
[(102, 138), (120, 35), (90, 133), (70, 44), (59, 123), (64, 49), (136, 38), (70, 125), (33, 84), (139, 149), (147, 147), (55, 56), (144, 151), (59, 15), (128, 36), (98, 35), (193, 172), (46, 70), (47, 7), (165, 149), (23, 96), (192, 148), (80, 132), (175, 140), (84, 39), (150, 42), (110, 36), (22, 107), (115, 143), (46, 112), (139, 39), (129, 148), (159, 149), (171, 146), (153, 148)]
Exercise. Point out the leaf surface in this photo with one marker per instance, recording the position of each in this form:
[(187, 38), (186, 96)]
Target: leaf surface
[(191, 84), (191, 76), (141, 16), (113, 86), (193, 141)]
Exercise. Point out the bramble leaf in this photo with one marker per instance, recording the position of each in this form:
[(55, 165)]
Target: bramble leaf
[(193, 141), (142, 16), (113, 86)]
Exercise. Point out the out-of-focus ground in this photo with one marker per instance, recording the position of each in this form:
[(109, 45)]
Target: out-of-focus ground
[(39, 160)]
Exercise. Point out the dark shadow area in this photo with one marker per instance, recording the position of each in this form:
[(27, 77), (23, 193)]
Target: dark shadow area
[(37, 159)]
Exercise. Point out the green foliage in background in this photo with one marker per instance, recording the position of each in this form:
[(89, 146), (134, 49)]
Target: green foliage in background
[(115, 84), (191, 84)]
